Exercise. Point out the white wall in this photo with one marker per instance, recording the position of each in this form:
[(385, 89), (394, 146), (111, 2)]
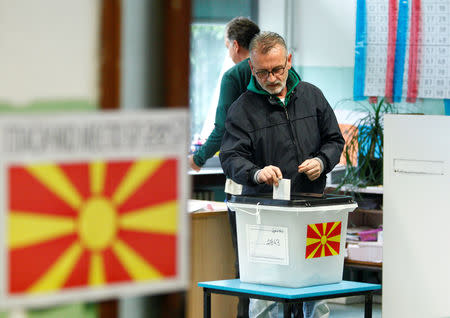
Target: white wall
[(324, 32), (48, 50), (319, 32), (271, 16)]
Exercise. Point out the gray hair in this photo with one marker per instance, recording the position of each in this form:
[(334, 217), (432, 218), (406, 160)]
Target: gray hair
[(265, 41)]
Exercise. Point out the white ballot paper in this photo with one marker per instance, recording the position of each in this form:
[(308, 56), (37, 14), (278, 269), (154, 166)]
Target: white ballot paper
[(283, 190), (232, 187)]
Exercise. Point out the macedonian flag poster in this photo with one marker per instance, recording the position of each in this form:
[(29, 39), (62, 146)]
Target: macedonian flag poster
[(91, 229)]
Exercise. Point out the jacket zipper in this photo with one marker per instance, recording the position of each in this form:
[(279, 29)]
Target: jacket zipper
[(292, 134), (287, 115)]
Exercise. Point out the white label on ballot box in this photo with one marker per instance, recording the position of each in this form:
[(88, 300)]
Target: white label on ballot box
[(267, 244)]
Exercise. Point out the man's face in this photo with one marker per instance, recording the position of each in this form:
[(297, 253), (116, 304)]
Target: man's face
[(232, 52), (271, 69)]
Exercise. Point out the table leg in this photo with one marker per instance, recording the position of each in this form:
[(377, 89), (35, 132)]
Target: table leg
[(287, 310), (300, 309), (297, 309), (368, 306), (206, 303)]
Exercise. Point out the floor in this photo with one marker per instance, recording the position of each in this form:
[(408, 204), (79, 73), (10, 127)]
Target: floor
[(352, 310)]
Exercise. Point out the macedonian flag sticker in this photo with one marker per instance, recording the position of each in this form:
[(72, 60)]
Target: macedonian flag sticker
[(88, 224), (323, 239)]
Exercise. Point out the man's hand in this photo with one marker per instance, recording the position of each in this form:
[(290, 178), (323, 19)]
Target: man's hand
[(192, 164), (269, 175), (310, 167)]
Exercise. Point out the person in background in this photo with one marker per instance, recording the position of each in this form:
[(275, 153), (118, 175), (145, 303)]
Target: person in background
[(281, 127), (238, 34)]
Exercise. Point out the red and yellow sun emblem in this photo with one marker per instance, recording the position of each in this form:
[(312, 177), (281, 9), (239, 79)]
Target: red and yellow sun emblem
[(323, 239), (91, 224)]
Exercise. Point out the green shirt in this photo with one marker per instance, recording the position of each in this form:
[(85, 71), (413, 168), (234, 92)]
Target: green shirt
[(234, 83)]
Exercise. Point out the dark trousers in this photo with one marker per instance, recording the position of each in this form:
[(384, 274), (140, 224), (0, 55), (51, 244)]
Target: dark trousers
[(242, 311)]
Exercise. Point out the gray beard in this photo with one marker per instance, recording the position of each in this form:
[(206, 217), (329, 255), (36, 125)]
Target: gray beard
[(274, 91)]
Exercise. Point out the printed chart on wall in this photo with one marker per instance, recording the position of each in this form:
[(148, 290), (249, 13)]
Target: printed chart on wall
[(402, 49), (93, 206)]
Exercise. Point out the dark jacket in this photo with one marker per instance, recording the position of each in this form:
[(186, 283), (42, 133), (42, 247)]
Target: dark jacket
[(261, 131)]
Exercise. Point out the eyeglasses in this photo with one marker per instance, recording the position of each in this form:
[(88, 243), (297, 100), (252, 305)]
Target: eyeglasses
[(277, 71)]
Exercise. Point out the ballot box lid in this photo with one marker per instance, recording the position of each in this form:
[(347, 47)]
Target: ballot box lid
[(297, 199)]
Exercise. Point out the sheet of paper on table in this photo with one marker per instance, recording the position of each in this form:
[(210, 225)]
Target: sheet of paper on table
[(205, 206)]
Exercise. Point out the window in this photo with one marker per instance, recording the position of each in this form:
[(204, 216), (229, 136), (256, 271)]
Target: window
[(209, 60)]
